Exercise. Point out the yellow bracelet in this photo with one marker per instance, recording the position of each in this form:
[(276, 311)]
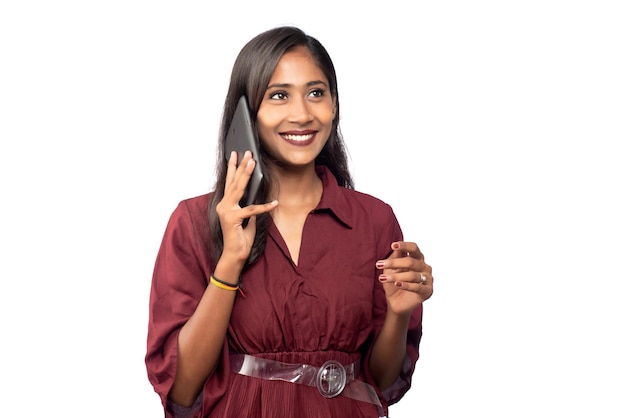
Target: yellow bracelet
[(223, 285)]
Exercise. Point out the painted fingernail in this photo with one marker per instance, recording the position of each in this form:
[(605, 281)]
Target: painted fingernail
[(398, 284), (395, 245), (380, 264), (382, 278)]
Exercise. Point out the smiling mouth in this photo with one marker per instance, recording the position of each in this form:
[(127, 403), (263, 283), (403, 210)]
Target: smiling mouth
[(299, 139)]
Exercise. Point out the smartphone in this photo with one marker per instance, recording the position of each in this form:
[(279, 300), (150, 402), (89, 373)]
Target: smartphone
[(241, 137)]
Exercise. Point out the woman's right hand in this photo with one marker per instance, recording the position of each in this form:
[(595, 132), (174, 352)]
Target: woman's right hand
[(237, 239), (200, 340)]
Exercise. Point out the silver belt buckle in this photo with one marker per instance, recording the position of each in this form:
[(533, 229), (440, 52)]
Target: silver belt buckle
[(331, 379)]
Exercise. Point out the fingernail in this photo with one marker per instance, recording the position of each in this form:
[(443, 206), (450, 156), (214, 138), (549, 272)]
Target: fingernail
[(380, 264), (382, 278), (398, 284), (395, 245)]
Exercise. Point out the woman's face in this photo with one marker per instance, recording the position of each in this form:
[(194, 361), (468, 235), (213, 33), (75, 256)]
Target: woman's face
[(296, 115)]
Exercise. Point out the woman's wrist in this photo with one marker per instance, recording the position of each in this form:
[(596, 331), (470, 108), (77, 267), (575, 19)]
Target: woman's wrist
[(398, 320), (228, 269)]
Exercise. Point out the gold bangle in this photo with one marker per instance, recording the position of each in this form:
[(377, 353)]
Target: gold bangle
[(224, 285)]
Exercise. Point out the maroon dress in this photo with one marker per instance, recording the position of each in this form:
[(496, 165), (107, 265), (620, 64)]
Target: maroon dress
[(328, 307)]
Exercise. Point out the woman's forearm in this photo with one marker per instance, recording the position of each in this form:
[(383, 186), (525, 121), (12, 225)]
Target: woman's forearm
[(201, 339), (389, 350)]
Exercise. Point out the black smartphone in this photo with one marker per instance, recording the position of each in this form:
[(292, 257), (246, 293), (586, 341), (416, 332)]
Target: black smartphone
[(241, 137)]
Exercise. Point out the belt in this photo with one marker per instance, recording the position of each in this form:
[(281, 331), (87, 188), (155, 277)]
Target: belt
[(331, 379)]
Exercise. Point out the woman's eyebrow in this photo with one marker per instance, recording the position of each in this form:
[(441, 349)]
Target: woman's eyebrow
[(287, 85)]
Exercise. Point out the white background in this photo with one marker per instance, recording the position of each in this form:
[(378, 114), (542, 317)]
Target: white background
[(494, 128)]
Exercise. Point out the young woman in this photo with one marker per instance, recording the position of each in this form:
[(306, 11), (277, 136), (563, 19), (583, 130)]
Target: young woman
[(314, 308)]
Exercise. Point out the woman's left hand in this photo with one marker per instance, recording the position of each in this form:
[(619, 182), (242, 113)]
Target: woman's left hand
[(406, 278)]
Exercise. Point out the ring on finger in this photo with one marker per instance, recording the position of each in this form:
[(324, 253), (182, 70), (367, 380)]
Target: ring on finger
[(422, 278)]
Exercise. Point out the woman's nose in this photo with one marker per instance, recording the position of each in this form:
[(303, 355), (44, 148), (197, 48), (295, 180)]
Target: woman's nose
[(299, 111)]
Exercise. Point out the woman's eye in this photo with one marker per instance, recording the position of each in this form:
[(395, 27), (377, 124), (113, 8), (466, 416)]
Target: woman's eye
[(317, 93), (279, 95)]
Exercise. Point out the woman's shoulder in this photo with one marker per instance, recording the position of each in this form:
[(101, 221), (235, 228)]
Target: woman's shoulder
[(365, 207), (193, 208), (198, 201), (373, 214), (365, 199)]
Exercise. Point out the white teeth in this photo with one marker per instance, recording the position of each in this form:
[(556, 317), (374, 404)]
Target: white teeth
[(298, 137)]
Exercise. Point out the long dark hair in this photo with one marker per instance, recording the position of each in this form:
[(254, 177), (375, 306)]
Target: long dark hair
[(250, 76)]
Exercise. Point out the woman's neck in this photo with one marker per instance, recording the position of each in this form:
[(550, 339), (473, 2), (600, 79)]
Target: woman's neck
[(297, 186)]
